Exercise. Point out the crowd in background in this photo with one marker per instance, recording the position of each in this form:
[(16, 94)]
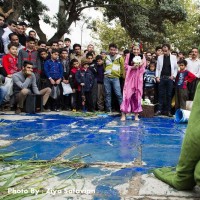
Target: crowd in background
[(70, 78)]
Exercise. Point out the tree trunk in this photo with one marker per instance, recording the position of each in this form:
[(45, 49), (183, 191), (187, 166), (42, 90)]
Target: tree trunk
[(57, 36), (42, 36), (16, 5)]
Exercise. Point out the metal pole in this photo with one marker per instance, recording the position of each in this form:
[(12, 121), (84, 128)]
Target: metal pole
[(82, 32)]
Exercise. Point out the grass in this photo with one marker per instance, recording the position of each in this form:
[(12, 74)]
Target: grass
[(26, 175)]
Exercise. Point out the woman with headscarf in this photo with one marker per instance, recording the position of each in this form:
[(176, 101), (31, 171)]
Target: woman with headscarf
[(133, 88)]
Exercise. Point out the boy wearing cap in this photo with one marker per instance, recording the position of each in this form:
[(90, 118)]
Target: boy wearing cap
[(85, 79)]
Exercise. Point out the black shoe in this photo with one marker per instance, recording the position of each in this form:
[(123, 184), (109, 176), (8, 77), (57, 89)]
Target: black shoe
[(169, 114), (158, 113), (18, 111), (108, 111)]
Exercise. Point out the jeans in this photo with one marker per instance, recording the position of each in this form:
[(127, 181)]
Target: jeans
[(3, 93), (165, 89), (108, 84)]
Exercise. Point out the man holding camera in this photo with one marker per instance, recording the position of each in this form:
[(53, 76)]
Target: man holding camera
[(24, 83)]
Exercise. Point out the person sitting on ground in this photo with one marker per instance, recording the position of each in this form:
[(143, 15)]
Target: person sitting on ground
[(3, 90), (187, 172), (24, 83)]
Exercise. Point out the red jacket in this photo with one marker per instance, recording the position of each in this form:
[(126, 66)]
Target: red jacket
[(10, 64), (72, 80), (183, 77)]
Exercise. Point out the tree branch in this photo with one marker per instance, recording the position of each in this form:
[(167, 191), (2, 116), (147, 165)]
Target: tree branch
[(110, 5)]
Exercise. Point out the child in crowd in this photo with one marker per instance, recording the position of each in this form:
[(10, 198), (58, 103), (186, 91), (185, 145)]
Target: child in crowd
[(54, 72), (30, 54), (64, 60), (181, 90), (100, 77), (9, 61), (93, 69), (76, 95), (85, 79), (150, 82), (43, 55), (148, 60)]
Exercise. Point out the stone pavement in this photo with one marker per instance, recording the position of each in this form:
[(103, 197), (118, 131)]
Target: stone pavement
[(119, 155)]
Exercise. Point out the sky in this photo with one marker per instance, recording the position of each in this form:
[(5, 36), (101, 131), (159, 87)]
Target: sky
[(75, 34)]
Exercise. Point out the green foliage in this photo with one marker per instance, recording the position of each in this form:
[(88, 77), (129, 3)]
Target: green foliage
[(28, 174), (144, 19), (34, 9), (108, 33), (185, 34), (153, 22)]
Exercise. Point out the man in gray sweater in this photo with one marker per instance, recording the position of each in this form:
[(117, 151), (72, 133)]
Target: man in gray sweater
[(24, 83), (3, 91)]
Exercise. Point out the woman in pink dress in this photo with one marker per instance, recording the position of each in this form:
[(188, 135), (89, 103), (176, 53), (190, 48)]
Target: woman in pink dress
[(135, 64)]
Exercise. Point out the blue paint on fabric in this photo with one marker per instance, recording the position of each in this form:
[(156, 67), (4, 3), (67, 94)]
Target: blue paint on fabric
[(106, 192), (37, 150), (153, 141)]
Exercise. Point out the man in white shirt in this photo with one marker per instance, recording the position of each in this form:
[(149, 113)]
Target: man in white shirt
[(12, 27), (166, 71), (193, 66)]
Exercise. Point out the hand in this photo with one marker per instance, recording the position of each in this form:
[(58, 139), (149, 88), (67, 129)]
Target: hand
[(73, 90), (9, 76), (52, 81), (58, 81), (28, 72), (158, 79), (171, 77)]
